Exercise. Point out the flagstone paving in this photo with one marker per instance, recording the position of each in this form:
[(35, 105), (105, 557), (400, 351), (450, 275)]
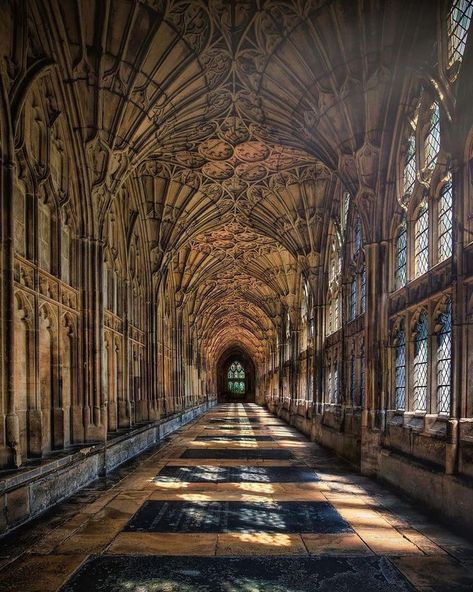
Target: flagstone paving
[(235, 501)]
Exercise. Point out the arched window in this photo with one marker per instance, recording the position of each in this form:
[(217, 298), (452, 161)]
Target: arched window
[(421, 241), (444, 360), (444, 222), (400, 368), (400, 267), (459, 19), (236, 379), (420, 367)]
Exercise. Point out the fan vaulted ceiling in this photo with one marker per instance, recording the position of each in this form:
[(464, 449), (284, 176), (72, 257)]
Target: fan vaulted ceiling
[(231, 122)]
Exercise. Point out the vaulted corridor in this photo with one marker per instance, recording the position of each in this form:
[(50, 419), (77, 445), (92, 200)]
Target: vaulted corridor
[(236, 501)]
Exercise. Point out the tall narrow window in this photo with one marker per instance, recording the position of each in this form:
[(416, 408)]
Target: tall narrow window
[(458, 24), (432, 140), (400, 369), (421, 253), (362, 379), (329, 383), (420, 364), (345, 208), (352, 380), (444, 360), (335, 383), (410, 165), (358, 237), (400, 269), (445, 218), (363, 289), (353, 297)]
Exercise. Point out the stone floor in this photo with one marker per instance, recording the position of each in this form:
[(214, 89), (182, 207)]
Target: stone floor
[(236, 501)]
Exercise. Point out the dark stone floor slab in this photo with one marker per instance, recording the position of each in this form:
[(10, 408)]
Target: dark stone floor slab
[(233, 438), (255, 574), (241, 517), (210, 474), (242, 453)]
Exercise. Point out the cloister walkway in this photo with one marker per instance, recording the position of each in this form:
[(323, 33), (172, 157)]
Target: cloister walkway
[(236, 501)]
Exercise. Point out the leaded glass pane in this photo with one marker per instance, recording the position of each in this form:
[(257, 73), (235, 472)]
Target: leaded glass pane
[(410, 165), (353, 298), (400, 369), (458, 25), (362, 380), (363, 290), (445, 218), (352, 380), (358, 236), (236, 378), (432, 141), (400, 271), (422, 242), (335, 385), (444, 361), (420, 365)]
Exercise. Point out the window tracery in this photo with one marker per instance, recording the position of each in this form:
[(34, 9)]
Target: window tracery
[(236, 379)]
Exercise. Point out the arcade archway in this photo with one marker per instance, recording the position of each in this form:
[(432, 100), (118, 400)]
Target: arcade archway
[(236, 377)]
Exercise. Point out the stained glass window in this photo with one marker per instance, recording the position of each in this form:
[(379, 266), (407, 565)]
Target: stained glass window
[(421, 255), (236, 379), (458, 24), (445, 217), (444, 360), (400, 369), (420, 364), (400, 270), (432, 141)]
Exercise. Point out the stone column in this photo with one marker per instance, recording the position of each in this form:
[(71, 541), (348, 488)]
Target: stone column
[(12, 428), (373, 411), (94, 410)]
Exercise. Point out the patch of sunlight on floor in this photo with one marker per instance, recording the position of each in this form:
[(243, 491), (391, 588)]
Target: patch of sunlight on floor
[(256, 487), (194, 497), (264, 538), (169, 485)]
